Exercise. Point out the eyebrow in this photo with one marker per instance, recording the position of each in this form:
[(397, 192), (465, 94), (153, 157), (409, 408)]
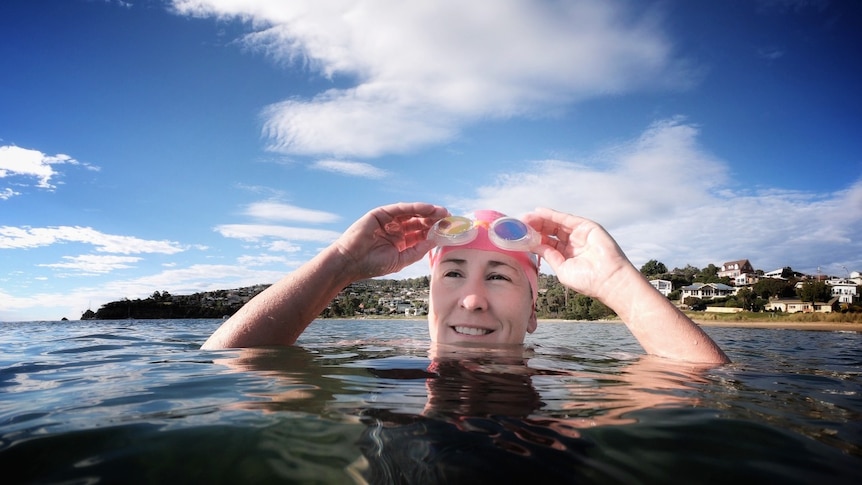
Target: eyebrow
[(492, 263)]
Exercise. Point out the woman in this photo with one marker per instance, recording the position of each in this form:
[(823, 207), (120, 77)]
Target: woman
[(483, 290)]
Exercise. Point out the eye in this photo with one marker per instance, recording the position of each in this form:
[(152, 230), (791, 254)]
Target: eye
[(498, 276), (452, 274)]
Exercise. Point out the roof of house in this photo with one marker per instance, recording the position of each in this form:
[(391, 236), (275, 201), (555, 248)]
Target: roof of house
[(740, 262), (717, 286)]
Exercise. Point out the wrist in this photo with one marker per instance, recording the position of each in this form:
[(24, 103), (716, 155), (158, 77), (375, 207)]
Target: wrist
[(623, 289), (342, 268)]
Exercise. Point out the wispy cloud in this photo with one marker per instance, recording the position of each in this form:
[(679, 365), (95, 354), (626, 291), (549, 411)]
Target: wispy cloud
[(454, 63), (266, 260), (8, 193), (770, 53), (93, 263), (259, 232), (664, 196), (179, 281), (24, 164), (29, 237), (353, 169), (276, 211)]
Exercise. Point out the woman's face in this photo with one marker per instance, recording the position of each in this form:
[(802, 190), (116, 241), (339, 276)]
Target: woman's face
[(480, 297)]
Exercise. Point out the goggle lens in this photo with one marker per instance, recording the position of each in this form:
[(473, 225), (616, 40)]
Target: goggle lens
[(453, 226), (512, 234), (453, 231), (506, 233), (510, 229)]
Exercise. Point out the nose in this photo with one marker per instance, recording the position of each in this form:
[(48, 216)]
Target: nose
[(474, 298)]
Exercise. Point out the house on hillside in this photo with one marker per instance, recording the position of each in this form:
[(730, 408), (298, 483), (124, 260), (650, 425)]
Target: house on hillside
[(775, 274), (795, 305), (844, 289), (707, 291), (735, 269), (745, 279), (663, 286)]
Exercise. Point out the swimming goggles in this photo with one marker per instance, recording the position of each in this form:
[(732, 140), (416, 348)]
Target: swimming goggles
[(506, 233)]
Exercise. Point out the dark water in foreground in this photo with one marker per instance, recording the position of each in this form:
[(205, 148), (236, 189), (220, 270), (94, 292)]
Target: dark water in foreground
[(363, 401)]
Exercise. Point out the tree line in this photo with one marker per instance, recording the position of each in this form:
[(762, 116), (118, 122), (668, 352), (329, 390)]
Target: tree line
[(555, 300), (752, 298)]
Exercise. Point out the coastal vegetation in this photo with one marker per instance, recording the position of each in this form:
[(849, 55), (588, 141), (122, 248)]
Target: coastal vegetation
[(388, 297)]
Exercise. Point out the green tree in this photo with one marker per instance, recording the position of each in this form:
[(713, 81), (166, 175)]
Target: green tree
[(747, 299), (599, 310), (579, 307), (710, 275), (769, 287), (653, 268), (814, 291), (695, 304), (686, 274)]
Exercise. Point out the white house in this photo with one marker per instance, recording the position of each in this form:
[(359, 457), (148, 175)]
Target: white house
[(745, 279), (845, 290), (663, 286), (795, 305), (732, 269), (707, 291), (775, 274)]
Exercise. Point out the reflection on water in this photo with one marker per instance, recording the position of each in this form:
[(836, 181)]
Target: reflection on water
[(367, 401)]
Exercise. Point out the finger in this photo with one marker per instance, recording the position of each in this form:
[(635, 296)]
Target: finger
[(551, 255), (403, 210), (418, 224), (417, 251)]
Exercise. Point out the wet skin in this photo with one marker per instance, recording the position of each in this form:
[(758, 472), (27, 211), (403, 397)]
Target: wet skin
[(480, 297)]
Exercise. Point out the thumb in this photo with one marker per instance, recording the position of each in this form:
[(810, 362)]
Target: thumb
[(416, 252), (550, 255)]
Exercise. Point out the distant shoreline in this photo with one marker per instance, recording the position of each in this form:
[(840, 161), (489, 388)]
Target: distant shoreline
[(823, 326), (779, 325), (775, 324)]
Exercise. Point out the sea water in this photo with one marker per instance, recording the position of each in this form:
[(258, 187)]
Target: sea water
[(364, 401)]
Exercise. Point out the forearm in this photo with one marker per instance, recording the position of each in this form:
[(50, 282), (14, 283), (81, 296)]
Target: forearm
[(660, 327), (279, 314)]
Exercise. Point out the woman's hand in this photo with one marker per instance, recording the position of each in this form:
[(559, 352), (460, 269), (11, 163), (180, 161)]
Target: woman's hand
[(388, 238), (382, 241), (588, 260), (582, 254)]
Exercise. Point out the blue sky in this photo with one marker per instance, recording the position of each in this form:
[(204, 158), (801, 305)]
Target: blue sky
[(193, 145)]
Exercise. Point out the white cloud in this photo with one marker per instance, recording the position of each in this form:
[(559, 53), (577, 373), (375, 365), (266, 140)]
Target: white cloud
[(181, 281), (94, 264), (354, 169), (26, 237), (8, 193), (267, 260), (283, 247), (424, 70), (23, 162), (258, 232), (664, 197), (31, 163), (276, 211)]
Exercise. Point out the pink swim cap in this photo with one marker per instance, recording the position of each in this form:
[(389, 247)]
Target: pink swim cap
[(529, 262)]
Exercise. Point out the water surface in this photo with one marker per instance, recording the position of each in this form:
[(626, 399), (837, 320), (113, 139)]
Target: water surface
[(364, 401)]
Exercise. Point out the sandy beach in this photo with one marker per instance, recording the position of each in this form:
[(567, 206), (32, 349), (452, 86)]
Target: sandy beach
[(779, 325), (824, 326)]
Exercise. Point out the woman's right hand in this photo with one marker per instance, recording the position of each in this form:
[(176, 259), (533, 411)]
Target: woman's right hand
[(388, 238), (582, 254)]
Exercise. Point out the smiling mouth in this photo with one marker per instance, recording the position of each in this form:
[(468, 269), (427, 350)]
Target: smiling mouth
[(471, 330)]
